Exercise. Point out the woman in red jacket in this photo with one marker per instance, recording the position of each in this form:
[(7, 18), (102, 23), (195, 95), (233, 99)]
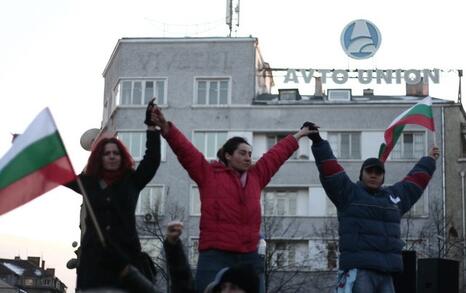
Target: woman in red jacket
[(230, 191)]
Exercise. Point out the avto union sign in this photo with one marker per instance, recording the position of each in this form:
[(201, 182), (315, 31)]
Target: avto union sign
[(360, 39)]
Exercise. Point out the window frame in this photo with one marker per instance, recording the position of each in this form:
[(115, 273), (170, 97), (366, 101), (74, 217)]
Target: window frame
[(161, 211), (163, 144), (337, 152), (117, 91), (401, 143), (210, 79)]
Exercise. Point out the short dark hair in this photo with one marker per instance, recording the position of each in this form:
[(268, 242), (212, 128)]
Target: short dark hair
[(229, 147)]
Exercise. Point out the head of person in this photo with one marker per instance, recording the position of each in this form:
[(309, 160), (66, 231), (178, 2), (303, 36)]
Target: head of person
[(109, 156), (236, 154), (237, 279), (372, 173)]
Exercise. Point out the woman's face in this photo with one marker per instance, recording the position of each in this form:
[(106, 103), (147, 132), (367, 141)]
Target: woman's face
[(240, 160), (111, 158)]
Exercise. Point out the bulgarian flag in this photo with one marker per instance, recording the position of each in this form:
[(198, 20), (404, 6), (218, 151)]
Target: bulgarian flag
[(36, 163), (419, 114)]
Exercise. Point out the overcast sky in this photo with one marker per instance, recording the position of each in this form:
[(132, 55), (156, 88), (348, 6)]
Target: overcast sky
[(53, 53)]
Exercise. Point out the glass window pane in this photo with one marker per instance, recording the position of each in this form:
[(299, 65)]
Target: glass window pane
[(419, 145), (136, 145), (271, 141), (408, 145), (221, 139), (213, 93), (211, 145), (126, 93), (333, 141), (201, 92), (199, 141), (160, 92), (148, 91), (292, 205), (223, 92), (345, 145), (137, 93), (355, 146)]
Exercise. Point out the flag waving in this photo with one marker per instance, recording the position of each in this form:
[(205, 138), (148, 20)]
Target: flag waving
[(419, 114), (36, 163)]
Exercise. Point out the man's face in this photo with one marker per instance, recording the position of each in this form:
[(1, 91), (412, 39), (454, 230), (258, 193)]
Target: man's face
[(228, 287), (373, 177)]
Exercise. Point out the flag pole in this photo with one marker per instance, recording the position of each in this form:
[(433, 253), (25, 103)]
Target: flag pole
[(88, 207), (87, 203)]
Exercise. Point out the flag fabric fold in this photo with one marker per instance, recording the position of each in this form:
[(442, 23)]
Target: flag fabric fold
[(419, 114), (36, 163)]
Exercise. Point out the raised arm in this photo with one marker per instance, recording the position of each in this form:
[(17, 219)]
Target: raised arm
[(151, 160), (335, 181), (274, 158), (410, 189), (189, 157)]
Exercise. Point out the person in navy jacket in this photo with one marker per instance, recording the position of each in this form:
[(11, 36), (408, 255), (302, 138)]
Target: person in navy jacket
[(369, 215)]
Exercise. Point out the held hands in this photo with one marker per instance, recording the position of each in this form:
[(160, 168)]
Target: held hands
[(311, 130), (174, 230), (434, 152), (155, 117)]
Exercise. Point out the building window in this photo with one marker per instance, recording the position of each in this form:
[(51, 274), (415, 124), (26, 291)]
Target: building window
[(410, 145), (287, 254), (209, 142), (150, 202), (323, 254), (285, 201), (195, 202), (135, 141), (265, 141), (345, 145), (212, 91), (152, 246), (140, 92), (420, 208), (194, 251), (28, 282)]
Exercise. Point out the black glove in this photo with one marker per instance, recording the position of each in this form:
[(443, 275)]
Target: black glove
[(315, 136), (150, 105)]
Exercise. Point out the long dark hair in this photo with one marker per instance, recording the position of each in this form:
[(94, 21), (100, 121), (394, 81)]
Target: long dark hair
[(229, 147), (94, 163)]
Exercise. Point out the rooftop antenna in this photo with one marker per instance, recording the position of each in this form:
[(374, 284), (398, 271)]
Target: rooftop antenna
[(232, 17), (460, 75)]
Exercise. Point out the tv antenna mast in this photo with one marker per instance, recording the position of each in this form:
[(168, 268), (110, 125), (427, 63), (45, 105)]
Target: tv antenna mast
[(232, 18)]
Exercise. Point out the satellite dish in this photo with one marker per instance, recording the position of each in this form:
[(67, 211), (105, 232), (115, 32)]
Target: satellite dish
[(88, 138)]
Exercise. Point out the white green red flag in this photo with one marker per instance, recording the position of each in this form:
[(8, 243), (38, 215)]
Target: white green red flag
[(36, 163), (419, 114)]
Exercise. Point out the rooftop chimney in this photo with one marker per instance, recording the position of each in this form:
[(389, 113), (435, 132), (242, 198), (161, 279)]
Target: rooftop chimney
[(318, 88), (368, 92), (420, 89), (50, 272), (35, 260)]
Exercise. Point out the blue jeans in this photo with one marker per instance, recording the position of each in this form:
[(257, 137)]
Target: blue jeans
[(369, 281), (211, 261)]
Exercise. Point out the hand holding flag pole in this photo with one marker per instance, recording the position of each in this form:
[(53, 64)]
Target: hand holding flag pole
[(419, 114)]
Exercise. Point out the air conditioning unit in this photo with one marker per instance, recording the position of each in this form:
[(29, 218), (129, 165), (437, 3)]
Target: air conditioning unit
[(148, 218)]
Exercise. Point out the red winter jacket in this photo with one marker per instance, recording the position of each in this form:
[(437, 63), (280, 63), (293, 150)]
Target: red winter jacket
[(230, 213)]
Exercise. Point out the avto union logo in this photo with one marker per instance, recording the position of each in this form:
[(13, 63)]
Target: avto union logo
[(360, 39)]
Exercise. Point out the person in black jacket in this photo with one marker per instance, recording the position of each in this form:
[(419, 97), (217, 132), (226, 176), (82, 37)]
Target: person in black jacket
[(113, 186)]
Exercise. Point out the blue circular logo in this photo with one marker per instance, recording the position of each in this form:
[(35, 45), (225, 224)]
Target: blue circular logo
[(360, 39)]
